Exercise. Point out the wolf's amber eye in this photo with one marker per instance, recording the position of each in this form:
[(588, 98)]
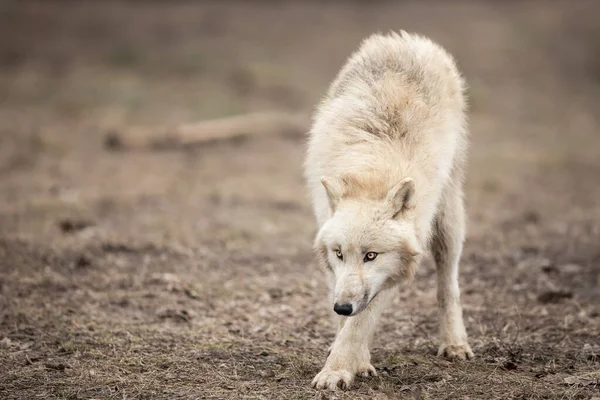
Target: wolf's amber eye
[(370, 256), (339, 254)]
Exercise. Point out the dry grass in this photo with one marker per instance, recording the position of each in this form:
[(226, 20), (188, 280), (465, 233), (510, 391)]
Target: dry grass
[(189, 274)]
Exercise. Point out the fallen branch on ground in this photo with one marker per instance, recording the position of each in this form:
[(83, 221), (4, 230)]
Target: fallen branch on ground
[(228, 128)]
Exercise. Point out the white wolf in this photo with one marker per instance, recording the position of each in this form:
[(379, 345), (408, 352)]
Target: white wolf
[(385, 165)]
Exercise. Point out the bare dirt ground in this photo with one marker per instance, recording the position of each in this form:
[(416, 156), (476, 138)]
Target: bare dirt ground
[(189, 273)]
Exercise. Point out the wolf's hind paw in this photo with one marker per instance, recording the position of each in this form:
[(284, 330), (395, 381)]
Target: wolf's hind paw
[(367, 370)]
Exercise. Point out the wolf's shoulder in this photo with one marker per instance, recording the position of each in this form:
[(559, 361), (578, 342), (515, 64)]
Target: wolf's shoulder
[(410, 57)]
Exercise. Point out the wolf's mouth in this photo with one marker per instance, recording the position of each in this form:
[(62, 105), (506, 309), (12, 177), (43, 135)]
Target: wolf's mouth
[(366, 297), (366, 300)]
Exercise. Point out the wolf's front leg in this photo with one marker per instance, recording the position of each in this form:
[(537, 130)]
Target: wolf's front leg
[(349, 355), (446, 246)]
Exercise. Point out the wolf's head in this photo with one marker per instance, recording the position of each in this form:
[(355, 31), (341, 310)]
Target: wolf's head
[(369, 242)]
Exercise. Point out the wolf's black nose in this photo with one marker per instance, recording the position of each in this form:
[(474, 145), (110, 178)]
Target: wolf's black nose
[(342, 309)]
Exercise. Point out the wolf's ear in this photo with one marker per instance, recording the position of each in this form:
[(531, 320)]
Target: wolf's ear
[(334, 192), (401, 196)]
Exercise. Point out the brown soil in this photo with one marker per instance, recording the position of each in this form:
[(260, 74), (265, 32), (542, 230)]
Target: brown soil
[(189, 274)]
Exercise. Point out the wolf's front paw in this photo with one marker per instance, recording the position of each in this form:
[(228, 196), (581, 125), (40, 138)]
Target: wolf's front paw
[(341, 378), (330, 379), (456, 351)]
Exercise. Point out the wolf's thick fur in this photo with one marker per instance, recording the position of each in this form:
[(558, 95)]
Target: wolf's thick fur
[(385, 166)]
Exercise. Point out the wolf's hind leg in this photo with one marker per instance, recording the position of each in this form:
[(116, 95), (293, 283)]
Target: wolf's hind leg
[(446, 247)]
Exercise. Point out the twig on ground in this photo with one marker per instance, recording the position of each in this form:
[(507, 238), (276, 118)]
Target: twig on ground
[(203, 132)]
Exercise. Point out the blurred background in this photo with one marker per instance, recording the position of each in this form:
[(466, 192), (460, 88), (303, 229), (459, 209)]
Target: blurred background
[(188, 272)]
